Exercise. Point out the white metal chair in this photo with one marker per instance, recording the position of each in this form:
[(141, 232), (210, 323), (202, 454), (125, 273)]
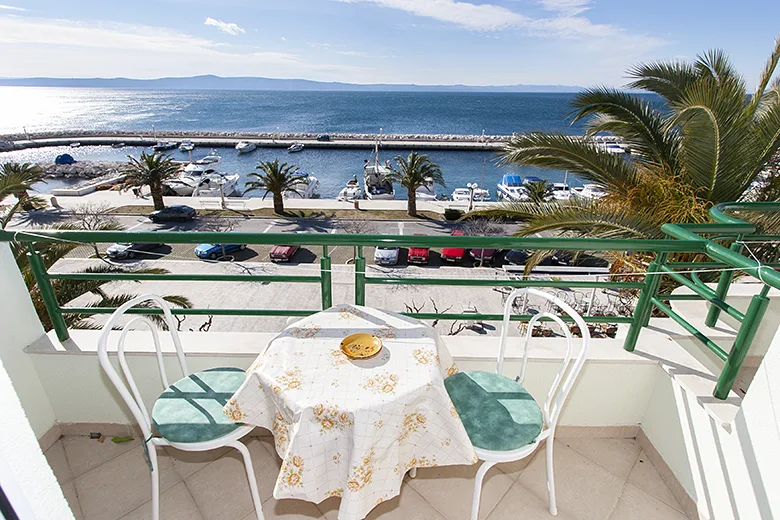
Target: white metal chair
[(502, 420), (188, 414)]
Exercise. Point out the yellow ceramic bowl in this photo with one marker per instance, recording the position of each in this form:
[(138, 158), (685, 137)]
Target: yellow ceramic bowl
[(361, 346)]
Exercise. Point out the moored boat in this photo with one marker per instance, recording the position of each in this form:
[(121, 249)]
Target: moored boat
[(216, 185), (427, 191), (561, 191), (589, 191), (245, 147), (463, 195), (186, 146), (295, 147), (352, 191), (161, 146), (305, 187), (118, 145), (511, 188)]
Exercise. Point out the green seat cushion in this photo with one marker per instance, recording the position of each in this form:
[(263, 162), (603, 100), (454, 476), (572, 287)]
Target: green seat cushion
[(498, 413), (190, 410)]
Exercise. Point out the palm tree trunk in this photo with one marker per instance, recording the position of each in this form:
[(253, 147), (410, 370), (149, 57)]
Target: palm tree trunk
[(278, 203), (157, 195), (411, 204)]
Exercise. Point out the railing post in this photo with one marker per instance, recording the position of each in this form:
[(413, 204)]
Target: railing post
[(325, 279), (724, 282), (47, 293), (644, 307), (747, 332), (360, 277)]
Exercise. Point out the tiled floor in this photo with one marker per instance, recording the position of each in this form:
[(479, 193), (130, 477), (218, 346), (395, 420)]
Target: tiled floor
[(597, 479)]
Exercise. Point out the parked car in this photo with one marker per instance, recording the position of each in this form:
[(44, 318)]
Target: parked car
[(418, 255), (214, 251), (283, 253), (386, 255), (560, 262), (323, 137), (485, 256), (120, 251), (173, 213), (454, 254)]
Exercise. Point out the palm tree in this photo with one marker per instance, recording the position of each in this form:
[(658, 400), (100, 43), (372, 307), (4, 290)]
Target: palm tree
[(68, 290), (538, 191), (275, 179), (705, 146), (150, 170), (16, 179), (412, 173)]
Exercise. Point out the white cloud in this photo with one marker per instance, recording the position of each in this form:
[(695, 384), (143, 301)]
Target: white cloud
[(11, 8), (568, 7), (70, 48), (480, 17), (226, 27)]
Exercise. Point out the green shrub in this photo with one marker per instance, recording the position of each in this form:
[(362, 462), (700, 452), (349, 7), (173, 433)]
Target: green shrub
[(452, 214)]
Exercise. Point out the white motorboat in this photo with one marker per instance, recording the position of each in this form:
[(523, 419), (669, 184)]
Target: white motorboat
[(75, 145), (377, 185), (305, 187), (193, 172), (352, 191), (118, 145), (161, 146), (612, 147), (295, 147), (216, 185), (186, 146), (463, 195), (589, 191), (427, 191), (561, 191), (511, 188), (245, 147)]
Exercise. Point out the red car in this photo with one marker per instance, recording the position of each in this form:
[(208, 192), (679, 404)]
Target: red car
[(418, 255), (283, 253), (454, 254), (485, 256)]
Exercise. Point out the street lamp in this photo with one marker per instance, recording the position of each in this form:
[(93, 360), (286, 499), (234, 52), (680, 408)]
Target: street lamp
[(471, 186)]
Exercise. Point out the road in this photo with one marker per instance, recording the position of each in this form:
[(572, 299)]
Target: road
[(259, 253)]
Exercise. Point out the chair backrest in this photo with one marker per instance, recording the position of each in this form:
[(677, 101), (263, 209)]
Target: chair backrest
[(127, 387), (569, 370)]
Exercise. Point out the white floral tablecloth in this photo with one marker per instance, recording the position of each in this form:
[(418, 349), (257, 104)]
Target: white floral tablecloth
[(348, 428)]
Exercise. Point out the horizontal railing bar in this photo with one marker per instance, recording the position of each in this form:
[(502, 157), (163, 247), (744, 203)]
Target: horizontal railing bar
[(690, 284), (513, 317), (695, 245), (186, 277), (696, 265), (721, 228), (681, 297), (503, 283), (191, 312), (690, 328), (718, 212)]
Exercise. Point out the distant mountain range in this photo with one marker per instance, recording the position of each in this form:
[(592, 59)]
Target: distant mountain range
[(210, 82)]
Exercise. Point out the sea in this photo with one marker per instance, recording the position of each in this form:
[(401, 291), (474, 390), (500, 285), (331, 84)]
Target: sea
[(39, 109)]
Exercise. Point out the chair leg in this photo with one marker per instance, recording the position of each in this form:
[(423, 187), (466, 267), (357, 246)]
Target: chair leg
[(152, 450), (483, 469), (250, 475), (413, 473), (551, 476)]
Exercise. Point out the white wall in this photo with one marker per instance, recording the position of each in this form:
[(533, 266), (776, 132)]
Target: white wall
[(730, 473), (25, 475), (21, 327)]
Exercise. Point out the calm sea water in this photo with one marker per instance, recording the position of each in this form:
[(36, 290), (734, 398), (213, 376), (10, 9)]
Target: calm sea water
[(51, 109)]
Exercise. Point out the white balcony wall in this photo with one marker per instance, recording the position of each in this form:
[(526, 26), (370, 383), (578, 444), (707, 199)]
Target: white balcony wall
[(730, 472), (25, 475)]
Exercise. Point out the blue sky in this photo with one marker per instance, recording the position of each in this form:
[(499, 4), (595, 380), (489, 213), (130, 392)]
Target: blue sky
[(569, 42)]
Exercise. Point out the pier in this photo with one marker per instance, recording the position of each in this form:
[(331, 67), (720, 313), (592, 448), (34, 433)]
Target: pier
[(268, 140)]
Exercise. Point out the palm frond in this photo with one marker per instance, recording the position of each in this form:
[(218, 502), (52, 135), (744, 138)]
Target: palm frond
[(669, 80)]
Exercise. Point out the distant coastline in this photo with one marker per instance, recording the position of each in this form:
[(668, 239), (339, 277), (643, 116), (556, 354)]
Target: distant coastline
[(211, 82)]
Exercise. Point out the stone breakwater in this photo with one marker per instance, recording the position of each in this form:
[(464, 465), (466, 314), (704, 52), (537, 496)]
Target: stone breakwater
[(83, 169)]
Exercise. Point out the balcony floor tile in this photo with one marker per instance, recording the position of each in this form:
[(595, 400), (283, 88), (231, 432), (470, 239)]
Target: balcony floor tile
[(596, 479)]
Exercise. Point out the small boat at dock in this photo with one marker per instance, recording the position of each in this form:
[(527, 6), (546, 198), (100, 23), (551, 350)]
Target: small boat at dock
[(426, 192), (511, 188), (352, 191), (245, 147), (463, 195), (295, 147), (589, 191), (118, 145), (561, 191), (305, 187), (75, 145), (216, 185), (186, 146), (162, 146)]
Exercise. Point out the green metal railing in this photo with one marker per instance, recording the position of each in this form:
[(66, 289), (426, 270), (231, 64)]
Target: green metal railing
[(681, 239)]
